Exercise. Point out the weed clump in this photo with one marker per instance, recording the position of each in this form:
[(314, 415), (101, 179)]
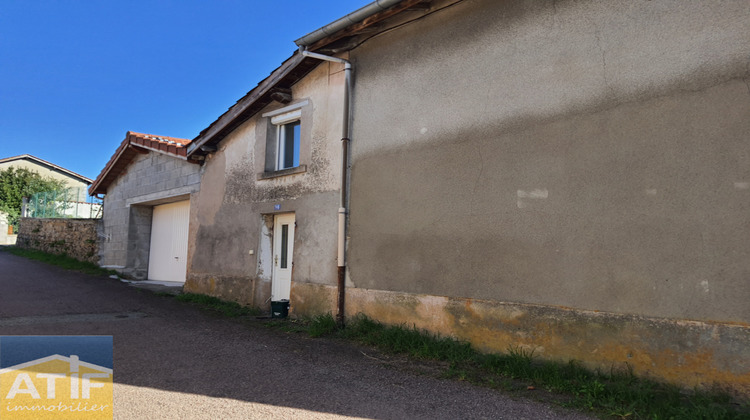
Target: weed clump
[(322, 325), (617, 393), (60, 260)]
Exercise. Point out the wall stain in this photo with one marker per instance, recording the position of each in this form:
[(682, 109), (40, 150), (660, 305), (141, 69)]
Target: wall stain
[(242, 185), (684, 352), (235, 288)]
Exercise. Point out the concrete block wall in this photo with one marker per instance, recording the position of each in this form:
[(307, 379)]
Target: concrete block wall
[(76, 238), (139, 236), (149, 180)]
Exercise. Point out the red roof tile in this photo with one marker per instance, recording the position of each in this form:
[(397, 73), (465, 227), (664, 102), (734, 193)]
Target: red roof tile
[(134, 144)]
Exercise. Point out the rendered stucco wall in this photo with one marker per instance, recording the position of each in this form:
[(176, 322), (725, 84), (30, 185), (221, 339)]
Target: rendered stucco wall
[(568, 153), (233, 214), (571, 154), (151, 179)]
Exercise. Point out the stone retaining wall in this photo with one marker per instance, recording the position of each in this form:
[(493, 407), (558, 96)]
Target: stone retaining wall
[(76, 238)]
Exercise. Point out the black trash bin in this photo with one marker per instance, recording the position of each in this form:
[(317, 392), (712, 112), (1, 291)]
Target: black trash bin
[(279, 308)]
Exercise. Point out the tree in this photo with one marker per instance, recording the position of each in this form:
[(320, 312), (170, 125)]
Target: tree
[(15, 184)]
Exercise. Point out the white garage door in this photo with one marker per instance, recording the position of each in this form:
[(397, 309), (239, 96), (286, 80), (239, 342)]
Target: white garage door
[(167, 259)]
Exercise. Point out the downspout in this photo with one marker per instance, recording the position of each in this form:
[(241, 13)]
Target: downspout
[(345, 133)]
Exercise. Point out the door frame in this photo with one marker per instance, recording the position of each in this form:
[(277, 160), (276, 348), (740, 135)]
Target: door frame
[(281, 277)]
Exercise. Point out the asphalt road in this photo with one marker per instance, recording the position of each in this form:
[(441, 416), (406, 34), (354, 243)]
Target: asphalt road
[(173, 361)]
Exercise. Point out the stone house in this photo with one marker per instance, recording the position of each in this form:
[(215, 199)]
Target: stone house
[(147, 187), (568, 177), (73, 181)]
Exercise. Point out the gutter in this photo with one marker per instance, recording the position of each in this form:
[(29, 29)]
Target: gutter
[(345, 139), (346, 21)]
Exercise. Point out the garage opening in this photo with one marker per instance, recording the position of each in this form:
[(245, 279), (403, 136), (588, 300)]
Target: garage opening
[(169, 242)]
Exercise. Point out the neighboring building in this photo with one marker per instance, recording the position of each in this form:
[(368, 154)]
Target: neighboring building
[(270, 191), (147, 187), (74, 181), (47, 169), (568, 177)]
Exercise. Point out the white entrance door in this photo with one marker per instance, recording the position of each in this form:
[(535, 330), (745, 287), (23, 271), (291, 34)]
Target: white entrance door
[(283, 247), (167, 259)]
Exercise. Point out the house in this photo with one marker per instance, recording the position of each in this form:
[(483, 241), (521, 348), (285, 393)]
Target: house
[(267, 214), (565, 177), (73, 181), (147, 187), (46, 169), (571, 178)]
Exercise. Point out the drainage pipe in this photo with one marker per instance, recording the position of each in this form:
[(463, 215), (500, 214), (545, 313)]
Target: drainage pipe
[(345, 134)]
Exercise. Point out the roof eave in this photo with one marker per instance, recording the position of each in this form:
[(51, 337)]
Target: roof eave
[(94, 187), (332, 39), (291, 71), (134, 143), (348, 32), (355, 17)]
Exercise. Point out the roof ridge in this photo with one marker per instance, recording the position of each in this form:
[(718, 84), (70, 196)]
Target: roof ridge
[(180, 142), (124, 154), (58, 167)]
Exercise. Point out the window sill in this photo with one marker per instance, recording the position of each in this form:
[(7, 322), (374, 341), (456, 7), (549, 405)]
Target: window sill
[(284, 172)]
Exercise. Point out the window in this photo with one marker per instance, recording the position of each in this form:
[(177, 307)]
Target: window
[(287, 145)]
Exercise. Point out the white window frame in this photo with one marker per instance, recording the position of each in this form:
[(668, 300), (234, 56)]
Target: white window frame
[(280, 121), (279, 118)]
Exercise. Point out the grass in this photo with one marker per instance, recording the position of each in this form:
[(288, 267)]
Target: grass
[(617, 393), (63, 261), (216, 305)]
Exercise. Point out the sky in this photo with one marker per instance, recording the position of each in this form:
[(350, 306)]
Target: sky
[(76, 75)]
